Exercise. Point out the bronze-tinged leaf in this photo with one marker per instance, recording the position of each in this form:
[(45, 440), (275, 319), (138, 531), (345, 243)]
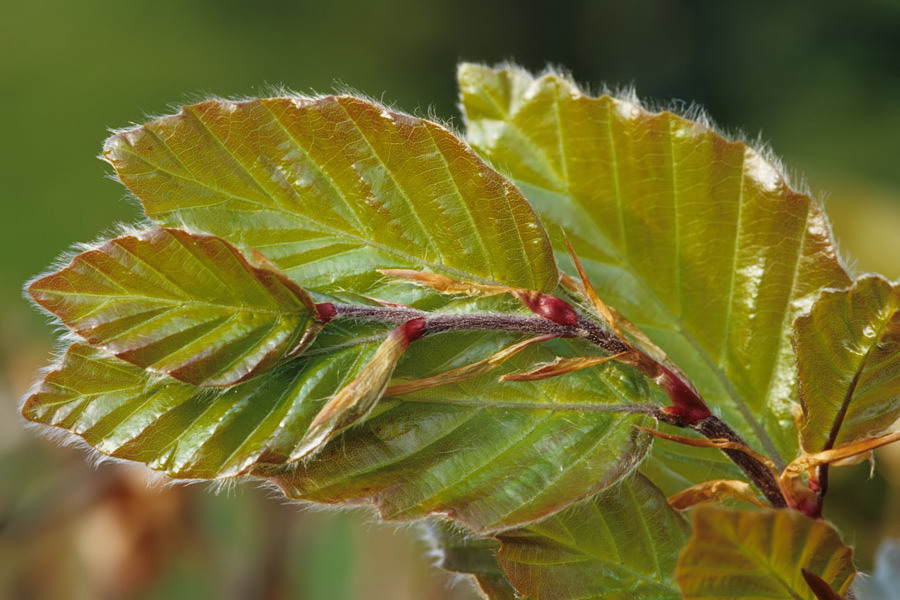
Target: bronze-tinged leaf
[(189, 306), (761, 554), (332, 189), (848, 360), (698, 240)]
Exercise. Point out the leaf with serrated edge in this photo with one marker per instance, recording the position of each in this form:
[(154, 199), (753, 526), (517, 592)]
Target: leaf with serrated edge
[(697, 240), (189, 306), (761, 554), (458, 550), (848, 359), (620, 544), (333, 188), (183, 430), (490, 454)]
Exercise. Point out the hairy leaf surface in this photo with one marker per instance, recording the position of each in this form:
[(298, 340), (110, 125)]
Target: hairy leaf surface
[(492, 454), (189, 306), (848, 358), (697, 240), (622, 543), (184, 430), (333, 188), (761, 554)]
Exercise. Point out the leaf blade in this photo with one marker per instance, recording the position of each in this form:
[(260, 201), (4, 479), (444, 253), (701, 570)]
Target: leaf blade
[(621, 543), (848, 361), (761, 554), (697, 240), (184, 305), (333, 187)]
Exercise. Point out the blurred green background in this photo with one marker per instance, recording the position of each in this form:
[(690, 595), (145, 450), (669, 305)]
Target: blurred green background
[(819, 81)]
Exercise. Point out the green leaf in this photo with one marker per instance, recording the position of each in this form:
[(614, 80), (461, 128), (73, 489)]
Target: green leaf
[(761, 554), (183, 430), (460, 551), (490, 454), (621, 543), (333, 188), (848, 359), (189, 306), (698, 240)]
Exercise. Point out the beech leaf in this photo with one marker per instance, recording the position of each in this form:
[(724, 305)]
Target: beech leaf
[(621, 543), (189, 306), (490, 454), (848, 359), (332, 189), (697, 240), (761, 554)]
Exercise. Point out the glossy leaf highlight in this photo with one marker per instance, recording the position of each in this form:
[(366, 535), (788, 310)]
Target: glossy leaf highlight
[(848, 359), (761, 554), (189, 306), (490, 454), (699, 241), (183, 430), (332, 189)]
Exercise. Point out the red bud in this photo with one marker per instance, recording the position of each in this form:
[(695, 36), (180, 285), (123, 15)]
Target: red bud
[(549, 307)]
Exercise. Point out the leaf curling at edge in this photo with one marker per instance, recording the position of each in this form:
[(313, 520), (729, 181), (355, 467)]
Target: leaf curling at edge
[(333, 188), (697, 240), (189, 306)]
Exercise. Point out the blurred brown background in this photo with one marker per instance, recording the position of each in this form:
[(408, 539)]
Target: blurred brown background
[(820, 82)]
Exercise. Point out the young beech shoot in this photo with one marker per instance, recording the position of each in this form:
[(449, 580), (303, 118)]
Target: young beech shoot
[(526, 336)]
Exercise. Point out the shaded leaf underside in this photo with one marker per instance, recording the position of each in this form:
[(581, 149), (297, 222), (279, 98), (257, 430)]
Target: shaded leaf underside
[(185, 305), (761, 554), (848, 359), (697, 240), (331, 189)]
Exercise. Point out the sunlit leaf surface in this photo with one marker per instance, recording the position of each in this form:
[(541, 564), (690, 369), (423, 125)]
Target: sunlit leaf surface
[(697, 240), (331, 189), (619, 544), (490, 454), (183, 430), (761, 554), (189, 306), (848, 357), (460, 551)]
